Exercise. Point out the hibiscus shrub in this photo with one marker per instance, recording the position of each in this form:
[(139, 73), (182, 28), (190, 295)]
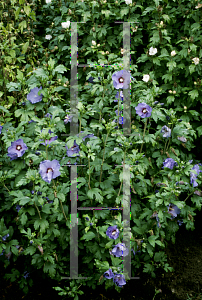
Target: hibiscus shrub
[(38, 152)]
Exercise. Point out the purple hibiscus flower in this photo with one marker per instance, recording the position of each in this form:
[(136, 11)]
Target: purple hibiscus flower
[(73, 150), (119, 280), (143, 110), (26, 274), (112, 232), (49, 170), (166, 131), (5, 237), (50, 140), (121, 79), (68, 119), (193, 176), (117, 96), (17, 149), (173, 210), (120, 250), (1, 127), (169, 163), (33, 96), (109, 274)]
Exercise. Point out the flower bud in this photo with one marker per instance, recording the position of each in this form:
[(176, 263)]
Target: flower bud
[(174, 92), (170, 91)]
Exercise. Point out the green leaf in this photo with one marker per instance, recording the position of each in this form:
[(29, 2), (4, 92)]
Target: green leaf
[(193, 94), (46, 208), (42, 223), (23, 219), (4, 109), (25, 47), (59, 69), (171, 65), (61, 197), (88, 236), (49, 268), (95, 191), (151, 240), (191, 68), (30, 250)]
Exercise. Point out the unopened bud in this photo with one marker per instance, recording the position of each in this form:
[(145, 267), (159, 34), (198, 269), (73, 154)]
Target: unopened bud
[(174, 92)]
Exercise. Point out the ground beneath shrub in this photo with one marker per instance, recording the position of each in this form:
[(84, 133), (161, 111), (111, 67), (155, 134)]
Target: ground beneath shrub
[(185, 256)]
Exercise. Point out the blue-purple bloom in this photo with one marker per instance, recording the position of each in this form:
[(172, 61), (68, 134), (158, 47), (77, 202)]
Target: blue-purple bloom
[(121, 79), (173, 210), (121, 119), (143, 110), (1, 127), (5, 237), (48, 116), (33, 96), (109, 274), (49, 170), (117, 96), (17, 149), (90, 79), (26, 274), (119, 280), (169, 163), (166, 131), (18, 207), (193, 176), (50, 140), (31, 121), (112, 232), (73, 150), (120, 250), (68, 119)]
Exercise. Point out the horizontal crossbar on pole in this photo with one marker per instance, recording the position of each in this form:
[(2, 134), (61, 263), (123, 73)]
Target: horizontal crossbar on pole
[(100, 208)]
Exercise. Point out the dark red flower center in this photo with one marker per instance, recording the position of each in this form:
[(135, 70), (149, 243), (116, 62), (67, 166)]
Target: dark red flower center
[(18, 147), (121, 79), (144, 110), (49, 170)]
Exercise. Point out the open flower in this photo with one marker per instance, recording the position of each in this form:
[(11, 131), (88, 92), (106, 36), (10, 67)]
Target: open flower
[(152, 51), (112, 232), (128, 1), (121, 79), (146, 78), (173, 53), (48, 37), (119, 280), (17, 149), (195, 60), (49, 170), (33, 96), (68, 119), (143, 110), (109, 274), (166, 131), (173, 210), (169, 163), (65, 24), (50, 140), (120, 250), (193, 176), (73, 150)]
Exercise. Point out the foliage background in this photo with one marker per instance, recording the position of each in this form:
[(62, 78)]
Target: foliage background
[(29, 60)]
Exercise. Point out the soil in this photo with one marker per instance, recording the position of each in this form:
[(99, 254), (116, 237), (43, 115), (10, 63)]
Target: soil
[(185, 256)]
